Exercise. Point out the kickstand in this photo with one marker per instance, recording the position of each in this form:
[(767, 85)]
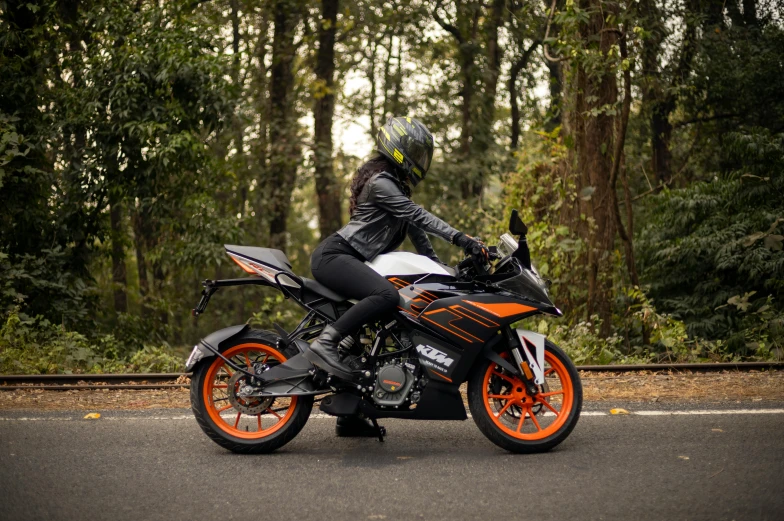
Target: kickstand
[(380, 430)]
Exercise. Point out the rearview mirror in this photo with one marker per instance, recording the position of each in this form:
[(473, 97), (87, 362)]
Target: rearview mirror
[(516, 225)]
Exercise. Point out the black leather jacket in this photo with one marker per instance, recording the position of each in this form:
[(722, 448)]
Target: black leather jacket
[(384, 215)]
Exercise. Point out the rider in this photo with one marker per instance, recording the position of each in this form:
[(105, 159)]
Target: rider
[(382, 213)]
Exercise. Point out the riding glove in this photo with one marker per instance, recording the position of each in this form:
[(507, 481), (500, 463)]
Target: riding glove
[(472, 246)]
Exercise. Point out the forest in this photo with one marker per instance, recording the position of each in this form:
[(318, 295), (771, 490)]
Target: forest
[(641, 140)]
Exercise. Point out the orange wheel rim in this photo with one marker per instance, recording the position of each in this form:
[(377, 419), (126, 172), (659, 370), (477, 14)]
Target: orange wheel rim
[(518, 414), (272, 414)]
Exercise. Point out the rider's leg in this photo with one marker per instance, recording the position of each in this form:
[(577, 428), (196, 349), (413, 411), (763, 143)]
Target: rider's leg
[(339, 267)]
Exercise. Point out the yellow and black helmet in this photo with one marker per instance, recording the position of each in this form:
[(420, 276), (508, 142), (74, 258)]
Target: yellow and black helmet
[(408, 144)]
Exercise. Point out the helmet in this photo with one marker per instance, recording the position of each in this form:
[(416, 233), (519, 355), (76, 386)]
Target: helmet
[(408, 144)]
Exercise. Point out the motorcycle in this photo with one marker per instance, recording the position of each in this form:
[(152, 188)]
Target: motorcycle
[(252, 391)]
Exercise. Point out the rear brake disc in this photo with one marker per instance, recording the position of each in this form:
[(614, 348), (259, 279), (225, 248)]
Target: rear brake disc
[(250, 405)]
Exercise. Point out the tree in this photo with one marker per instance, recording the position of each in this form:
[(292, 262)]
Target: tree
[(327, 189), (285, 148), (472, 25)]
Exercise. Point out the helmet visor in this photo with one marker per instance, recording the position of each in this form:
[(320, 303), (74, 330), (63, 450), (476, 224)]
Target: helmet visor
[(420, 153)]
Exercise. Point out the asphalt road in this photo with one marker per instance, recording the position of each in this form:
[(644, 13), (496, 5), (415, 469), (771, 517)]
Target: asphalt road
[(147, 466)]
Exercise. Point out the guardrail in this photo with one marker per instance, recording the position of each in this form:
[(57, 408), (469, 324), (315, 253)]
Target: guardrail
[(148, 381)]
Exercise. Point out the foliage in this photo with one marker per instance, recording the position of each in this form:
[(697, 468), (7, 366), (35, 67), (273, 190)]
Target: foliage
[(136, 138), (276, 310), (44, 285), (36, 346), (544, 195), (713, 252)]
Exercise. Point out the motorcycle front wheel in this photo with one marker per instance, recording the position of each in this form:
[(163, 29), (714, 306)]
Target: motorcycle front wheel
[(516, 421), (250, 425)]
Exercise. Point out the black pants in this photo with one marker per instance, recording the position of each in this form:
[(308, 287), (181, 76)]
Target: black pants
[(341, 268)]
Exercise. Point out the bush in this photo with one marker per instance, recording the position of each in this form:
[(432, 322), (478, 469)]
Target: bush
[(36, 346), (712, 253)]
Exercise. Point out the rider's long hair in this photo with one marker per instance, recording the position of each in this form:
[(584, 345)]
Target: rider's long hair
[(376, 164)]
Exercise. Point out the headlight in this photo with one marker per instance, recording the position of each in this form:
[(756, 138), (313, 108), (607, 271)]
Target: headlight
[(508, 244)]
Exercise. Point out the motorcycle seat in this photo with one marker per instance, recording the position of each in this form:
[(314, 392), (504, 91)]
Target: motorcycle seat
[(320, 289)]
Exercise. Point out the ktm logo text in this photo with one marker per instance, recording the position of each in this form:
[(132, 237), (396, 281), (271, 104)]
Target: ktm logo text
[(435, 355)]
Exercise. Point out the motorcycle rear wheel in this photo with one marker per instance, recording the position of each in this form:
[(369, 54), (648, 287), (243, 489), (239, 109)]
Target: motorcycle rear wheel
[(245, 426), (518, 422)]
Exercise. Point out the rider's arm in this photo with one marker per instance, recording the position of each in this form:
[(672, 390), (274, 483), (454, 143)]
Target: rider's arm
[(422, 243), (387, 195)]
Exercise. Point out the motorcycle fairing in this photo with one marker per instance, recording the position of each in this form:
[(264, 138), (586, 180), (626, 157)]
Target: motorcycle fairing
[(440, 358), (414, 298), (440, 401), (405, 263), (472, 320)]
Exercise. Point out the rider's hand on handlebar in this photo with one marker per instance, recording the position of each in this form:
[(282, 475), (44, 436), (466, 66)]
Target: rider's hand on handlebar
[(473, 247)]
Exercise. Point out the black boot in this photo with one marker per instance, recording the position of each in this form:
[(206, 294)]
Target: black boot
[(355, 427), (323, 353)]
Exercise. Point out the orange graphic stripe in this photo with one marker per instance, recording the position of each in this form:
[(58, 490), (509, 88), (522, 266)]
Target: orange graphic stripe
[(449, 330), (398, 283), (486, 322), (457, 317), (506, 309), (426, 295), (442, 376)]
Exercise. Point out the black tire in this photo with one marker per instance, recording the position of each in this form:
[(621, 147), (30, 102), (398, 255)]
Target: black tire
[(274, 441), (488, 426)]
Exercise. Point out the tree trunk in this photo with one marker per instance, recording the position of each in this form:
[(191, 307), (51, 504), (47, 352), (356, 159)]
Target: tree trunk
[(140, 241), (327, 188), (517, 67), (662, 103), (466, 130), (661, 134), (284, 143), (618, 156), (483, 134), (398, 79), (750, 13), (555, 79), (159, 280), (258, 154), (371, 74), (594, 140), (556, 86), (387, 82), (237, 126), (119, 278)]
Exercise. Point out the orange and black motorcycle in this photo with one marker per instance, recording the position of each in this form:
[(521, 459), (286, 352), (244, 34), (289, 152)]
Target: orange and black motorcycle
[(252, 391)]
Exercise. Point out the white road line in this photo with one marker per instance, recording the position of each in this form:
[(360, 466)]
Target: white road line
[(322, 416), (701, 412)]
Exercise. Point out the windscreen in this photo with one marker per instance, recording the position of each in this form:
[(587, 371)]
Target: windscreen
[(528, 284)]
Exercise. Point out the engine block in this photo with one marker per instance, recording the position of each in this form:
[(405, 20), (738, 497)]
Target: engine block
[(393, 383)]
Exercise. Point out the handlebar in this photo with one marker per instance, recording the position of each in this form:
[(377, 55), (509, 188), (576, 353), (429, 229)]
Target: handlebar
[(478, 262)]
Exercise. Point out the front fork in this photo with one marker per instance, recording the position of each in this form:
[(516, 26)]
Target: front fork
[(527, 349)]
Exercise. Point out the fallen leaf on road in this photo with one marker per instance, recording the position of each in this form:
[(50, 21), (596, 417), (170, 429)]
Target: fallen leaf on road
[(619, 411), (404, 457), (92, 416), (717, 430), (683, 457)]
